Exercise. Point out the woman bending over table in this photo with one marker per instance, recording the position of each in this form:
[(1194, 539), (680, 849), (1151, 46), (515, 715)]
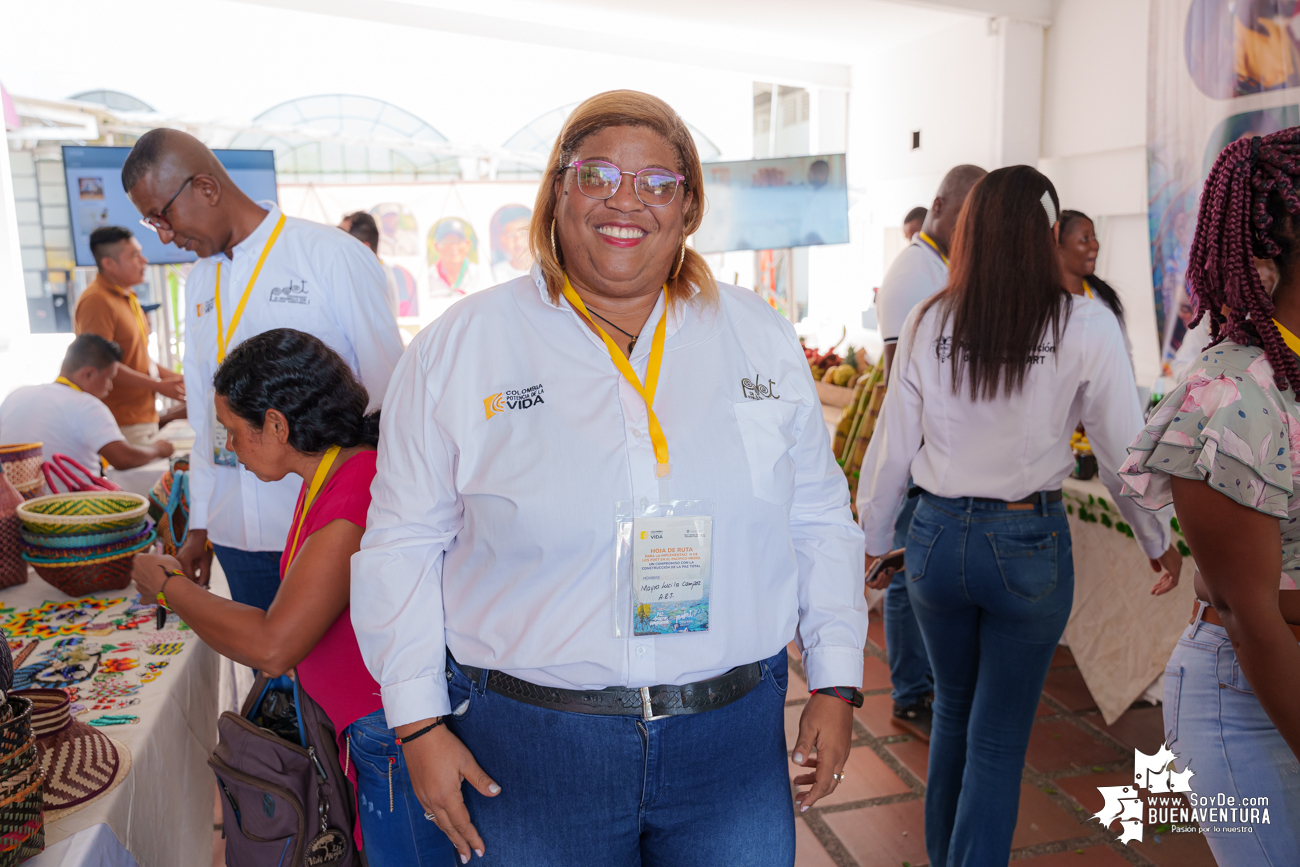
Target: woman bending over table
[(291, 404)]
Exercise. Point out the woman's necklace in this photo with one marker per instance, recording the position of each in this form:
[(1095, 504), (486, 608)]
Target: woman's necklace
[(620, 330)]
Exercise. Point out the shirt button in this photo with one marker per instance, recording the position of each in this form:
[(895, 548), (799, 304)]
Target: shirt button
[(636, 433), (640, 651)]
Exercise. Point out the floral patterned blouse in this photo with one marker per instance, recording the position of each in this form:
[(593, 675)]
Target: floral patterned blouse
[(1229, 423)]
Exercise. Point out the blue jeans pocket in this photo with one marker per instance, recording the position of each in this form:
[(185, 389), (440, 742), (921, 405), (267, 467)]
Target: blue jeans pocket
[(921, 538), (1027, 562), (777, 675)]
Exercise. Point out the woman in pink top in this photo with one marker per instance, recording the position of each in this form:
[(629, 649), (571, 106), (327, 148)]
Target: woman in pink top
[(291, 405)]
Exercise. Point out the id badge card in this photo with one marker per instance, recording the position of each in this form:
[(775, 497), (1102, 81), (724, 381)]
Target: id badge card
[(221, 456), (664, 567)]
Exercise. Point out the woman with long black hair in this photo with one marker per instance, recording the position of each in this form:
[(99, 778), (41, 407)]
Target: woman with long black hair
[(991, 377)]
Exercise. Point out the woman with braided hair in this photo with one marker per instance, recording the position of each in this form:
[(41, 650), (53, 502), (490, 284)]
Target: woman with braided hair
[(1224, 448)]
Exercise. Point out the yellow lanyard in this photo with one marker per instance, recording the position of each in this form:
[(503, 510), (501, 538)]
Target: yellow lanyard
[(316, 481), (1292, 341), (1087, 290), (929, 242), (223, 337), (139, 314), (63, 380), (647, 391)]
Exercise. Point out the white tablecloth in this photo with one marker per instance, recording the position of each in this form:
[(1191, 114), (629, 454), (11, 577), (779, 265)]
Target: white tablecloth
[(162, 811), (95, 846), (1120, 635)]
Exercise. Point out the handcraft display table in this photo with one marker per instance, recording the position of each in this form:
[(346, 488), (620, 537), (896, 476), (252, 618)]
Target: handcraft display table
[(104, 650), (1120, 635)]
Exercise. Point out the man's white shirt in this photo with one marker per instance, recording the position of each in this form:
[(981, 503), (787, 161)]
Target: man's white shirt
[(917, 273), (316, 279)]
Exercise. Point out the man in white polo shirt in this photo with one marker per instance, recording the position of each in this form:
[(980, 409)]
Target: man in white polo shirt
[(271, 271), (919, 271)]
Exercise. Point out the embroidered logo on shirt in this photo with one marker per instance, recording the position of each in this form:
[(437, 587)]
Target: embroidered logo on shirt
[(204, 307), (294, 293), (757, 391), (523, 398)]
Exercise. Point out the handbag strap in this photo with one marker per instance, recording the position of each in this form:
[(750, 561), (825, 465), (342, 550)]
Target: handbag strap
[(180, 493)]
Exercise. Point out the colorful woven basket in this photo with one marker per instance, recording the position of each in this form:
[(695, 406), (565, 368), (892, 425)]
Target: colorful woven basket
[(82, 512), (33, 490), (17, 730), (91, 554), (19, 759), (86, 540), (22, 825), (82, 579), (22, 464)]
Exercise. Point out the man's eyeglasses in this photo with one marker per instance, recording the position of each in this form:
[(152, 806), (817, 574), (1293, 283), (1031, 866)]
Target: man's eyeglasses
[(159, 223), (598, 179)]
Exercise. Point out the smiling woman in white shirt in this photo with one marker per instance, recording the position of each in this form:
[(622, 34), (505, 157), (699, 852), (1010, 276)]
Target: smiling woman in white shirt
[(605, 503), (990, 379)]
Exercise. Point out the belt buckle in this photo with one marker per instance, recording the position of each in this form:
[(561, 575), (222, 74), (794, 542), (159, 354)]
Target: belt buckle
[(647, 709)]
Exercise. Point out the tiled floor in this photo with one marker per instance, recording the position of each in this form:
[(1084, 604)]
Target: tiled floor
[(876, 819)]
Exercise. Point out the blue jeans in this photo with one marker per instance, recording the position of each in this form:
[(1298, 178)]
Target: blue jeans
[(700, 789), (909, 665), (992, 589), (1214, 723), (395, 833), (253, 576)]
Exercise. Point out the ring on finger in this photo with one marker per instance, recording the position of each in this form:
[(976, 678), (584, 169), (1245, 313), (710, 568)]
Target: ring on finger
[(839, 778), (432, 818)]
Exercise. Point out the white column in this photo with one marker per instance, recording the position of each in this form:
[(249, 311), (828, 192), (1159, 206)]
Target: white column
[(13, 300), (1018, 95)]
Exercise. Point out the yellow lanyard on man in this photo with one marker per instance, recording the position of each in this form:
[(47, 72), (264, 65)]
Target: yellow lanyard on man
[(1292, 342), (1087, 290), (136, 309), (657, 439), (224, 336), (318, 479), (63, 380), (929, 242)]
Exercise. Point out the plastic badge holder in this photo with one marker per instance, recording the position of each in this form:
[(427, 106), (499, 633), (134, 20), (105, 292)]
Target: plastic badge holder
[(662, 566)]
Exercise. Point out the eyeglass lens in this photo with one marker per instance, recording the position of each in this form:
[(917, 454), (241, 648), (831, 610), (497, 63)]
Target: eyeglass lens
[(600, 180)]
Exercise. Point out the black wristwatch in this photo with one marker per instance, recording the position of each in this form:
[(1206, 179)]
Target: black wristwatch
[(850, 694)]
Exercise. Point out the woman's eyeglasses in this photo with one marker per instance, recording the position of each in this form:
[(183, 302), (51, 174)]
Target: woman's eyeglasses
[(159, 223), (598, 179)]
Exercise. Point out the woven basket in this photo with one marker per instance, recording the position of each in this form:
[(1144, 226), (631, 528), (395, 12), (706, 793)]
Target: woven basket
[(86, 540), (90, 554), (22, 825), (33, 490), (82, 579), (18, 760), (82, 512), (22, 464), (17, 730)]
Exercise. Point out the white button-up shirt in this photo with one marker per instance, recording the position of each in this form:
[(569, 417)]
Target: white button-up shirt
[(316, 279), (1012, 446), (492, 528)]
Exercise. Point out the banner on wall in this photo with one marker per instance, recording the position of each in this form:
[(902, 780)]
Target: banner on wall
[(1219, 70), (441, 241)]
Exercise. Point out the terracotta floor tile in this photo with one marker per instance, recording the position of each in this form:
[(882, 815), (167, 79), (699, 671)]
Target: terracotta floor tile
[(1044, 709), (1062, 656), (914, 755), (1059, 746), (808, 850), (1140, 727), (797, 689), (1084, 789), (875, 674), (884, 836), (1066, 686), (1041, 821), (877, 713), (1176, 850), (865, 776), (1093, 856), (792, 714), (876, 633), (793, 650)]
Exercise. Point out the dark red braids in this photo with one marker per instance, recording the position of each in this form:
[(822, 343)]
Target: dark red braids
[(1234, 225)]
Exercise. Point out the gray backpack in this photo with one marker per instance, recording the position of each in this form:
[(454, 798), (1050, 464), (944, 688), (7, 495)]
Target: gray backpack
[(284, 799)]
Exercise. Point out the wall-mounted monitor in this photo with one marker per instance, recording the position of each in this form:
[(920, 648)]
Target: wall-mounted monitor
[(774, 204), (96, 197)]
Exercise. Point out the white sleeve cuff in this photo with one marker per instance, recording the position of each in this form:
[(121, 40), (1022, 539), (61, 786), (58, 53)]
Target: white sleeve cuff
[(833, 666), (413, 700)]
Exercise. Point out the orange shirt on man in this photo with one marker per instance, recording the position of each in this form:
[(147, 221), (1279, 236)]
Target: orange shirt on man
[(106, 310)]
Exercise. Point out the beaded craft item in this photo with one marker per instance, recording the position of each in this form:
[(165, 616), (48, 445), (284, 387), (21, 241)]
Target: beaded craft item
[(152, 671), (169, 649), (55, 619)]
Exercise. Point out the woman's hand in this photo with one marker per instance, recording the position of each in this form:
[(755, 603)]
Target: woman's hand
[(1169, 565), (883, 577), (150, 572), (195, 557), (437, 763), (827, 726)]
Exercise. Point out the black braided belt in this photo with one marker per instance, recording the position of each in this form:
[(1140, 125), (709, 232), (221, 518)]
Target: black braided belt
[(648, 702)]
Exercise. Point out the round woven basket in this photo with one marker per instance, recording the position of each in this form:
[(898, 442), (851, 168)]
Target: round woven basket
[(17, 730), (22, 464), (22, 825), (86, 540), (19, 759), (82, 579), (33, 490), (82, 512), (89, 554)]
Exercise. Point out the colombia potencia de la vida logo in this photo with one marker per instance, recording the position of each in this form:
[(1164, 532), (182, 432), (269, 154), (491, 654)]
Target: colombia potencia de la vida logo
[(1172, 802), (512, 399)]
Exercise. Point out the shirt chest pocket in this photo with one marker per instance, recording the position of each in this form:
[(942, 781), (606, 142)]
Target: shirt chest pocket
[(767, 431)]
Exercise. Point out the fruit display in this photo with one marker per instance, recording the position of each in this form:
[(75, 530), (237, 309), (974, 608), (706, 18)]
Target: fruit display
[(858, 422), (822, 363)]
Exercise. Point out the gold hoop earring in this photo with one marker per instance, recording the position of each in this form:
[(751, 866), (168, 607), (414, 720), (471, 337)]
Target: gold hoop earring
[(553, 250), (680, 260)]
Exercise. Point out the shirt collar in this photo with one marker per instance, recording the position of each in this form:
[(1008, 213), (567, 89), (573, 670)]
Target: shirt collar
[(676, 316), (252, 245), (103, 281)]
